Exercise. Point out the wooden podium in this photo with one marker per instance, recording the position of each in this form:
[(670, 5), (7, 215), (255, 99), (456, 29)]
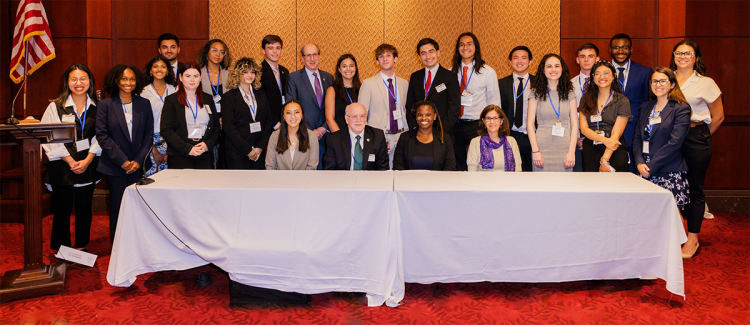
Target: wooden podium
[(36, 278)]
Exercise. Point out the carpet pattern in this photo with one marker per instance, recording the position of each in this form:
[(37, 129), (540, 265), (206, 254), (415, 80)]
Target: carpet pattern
[(717, 285)]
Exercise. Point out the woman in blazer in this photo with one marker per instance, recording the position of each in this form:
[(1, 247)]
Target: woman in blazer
[(494, 149), (426, 147), (248, 117), (71, 171), (189, 123), (292, 147), (662, 128), (124, 131)]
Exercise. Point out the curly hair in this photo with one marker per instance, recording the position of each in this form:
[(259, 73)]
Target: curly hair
[(65, 88), (113, 76), (564, 86), (169, 78), (699, 65), (591, 96), (240, 67), (202, 58)]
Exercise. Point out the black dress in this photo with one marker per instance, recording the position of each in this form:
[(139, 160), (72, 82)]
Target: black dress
[(341, 107)]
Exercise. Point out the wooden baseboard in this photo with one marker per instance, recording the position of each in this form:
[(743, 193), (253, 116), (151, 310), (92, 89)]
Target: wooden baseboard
[(732, 201)]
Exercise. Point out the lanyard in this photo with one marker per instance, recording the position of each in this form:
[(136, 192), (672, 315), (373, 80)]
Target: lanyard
[(166, 92), (424, 82), (218, 81), (653, 115), (350, 97), (252, 108), (522, 91), (85, 110), (467, 81), (627, 68), (195, 113), (395, 88), (559, 107), (598, 112)]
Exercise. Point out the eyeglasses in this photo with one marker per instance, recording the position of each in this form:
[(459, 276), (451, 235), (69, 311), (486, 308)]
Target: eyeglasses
[(606, 74), (427, 52), (492, 119), (688, 54), (81, 80), (311, 55), (358, 117), (462, 45), (215, 50), (623, 47), (661, 82)]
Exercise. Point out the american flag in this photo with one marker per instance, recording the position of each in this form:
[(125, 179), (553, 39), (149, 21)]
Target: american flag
[(31, 25)]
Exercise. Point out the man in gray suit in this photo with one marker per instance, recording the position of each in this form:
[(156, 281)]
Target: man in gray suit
[(308, 85)]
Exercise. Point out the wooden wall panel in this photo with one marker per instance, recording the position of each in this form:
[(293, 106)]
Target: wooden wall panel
[(98, 19), (236, 25), (604, 19), (66, 18), (5, 42), (338, 34), (665, 47), (149, 19), (726, 60), (138, 52), (499, 30), (672, 18), (729, 164), (643, 51), (99, 52), (717, 18)]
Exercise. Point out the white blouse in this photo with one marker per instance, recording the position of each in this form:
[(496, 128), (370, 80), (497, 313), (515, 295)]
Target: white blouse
[(157, 102), (699, 92)]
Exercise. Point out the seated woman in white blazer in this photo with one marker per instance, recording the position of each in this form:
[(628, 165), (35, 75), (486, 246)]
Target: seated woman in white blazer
[(290, 147)]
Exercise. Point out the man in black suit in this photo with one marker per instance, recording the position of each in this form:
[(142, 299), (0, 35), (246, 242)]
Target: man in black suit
[(169, 47), (514, 95), (434, 84), (360, 147), (274, 77)]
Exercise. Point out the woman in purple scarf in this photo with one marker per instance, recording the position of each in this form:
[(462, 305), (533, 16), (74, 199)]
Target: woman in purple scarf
[(493, 150)]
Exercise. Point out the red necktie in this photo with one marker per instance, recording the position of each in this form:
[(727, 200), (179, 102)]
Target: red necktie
[(427, 83), (463, 87)]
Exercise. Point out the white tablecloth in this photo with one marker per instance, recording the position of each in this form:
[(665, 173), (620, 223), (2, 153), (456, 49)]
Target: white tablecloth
[(306, 232), (537, 227)]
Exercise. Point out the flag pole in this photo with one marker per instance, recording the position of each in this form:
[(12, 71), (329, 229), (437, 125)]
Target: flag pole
[(26, 76)]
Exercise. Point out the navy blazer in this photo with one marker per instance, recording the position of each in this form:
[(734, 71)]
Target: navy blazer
[(112, 134), (447, 101), (665, 145), (338, 154), (300, 88), (636, 91)]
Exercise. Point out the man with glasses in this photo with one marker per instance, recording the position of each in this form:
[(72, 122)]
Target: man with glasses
[(359, 147), (308, 85), (633, 79)]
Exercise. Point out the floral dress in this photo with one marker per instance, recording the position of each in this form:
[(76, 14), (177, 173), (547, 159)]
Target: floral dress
[(675, 182)]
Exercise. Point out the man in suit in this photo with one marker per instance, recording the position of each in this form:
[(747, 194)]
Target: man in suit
[(434, 84), (384, 95), (274, 77), (514, 100), (587, 55), (633, 79), (359, 147), (169, 47), (308, 85)]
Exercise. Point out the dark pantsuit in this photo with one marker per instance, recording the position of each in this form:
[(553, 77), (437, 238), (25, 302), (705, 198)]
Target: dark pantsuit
[(117, 186), (697, 152), (524, 148), (463, 132), (63, 198)]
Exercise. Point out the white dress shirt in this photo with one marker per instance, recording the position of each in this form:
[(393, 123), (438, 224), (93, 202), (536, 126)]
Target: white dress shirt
[(353, 141), (484, 88), (524, 97), (157, 102), (174, 68), (578, 82), (55, 151), (200, 121), (699, 92)]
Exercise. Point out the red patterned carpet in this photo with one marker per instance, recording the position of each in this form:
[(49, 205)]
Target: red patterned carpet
[(717, 287)]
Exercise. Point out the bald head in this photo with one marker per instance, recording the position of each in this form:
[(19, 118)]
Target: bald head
[(310, 54), (356, 117)]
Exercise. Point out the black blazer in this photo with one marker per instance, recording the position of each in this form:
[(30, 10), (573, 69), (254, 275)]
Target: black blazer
[(174, 129), (665, 145), (443, 157), (236, 123), (448, 101), (112, 134), (338, 155), (271, 88), (507, 96)]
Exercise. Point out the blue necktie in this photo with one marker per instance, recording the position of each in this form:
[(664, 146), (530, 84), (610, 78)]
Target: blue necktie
[(621, 75)]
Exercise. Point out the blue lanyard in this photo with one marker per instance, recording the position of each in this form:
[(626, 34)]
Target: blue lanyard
[(85, 110), (166, 92), (252, 108), (467, 81), (522, 91), (350, 97), (218, 81), (627, 68), (598, 113), (126, 110), (424, 81), (650, 125), (559, 107), (395, 88), (194, 112)]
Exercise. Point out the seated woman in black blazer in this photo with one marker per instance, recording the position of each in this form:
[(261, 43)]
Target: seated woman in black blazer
[(426, 147), (661, 129), (247, 117), (189, 123)]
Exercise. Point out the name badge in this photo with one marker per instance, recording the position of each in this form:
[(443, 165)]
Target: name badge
[(645, 146), (371, 157), (74, 255), (82, 145), (440, 87), (196, 132), (466, 98), (255, 127), (558, 130), (283, 100), (397, 114), (276, 127), (656, 120), (68, 118), (596, 118), (601, 134), (217, 98)]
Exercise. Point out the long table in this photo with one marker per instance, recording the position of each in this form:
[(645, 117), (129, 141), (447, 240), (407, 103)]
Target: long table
[(537, 227), (306, 232), (323, 231)]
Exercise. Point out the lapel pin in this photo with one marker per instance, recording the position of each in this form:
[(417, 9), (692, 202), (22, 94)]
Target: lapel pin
[(368, 139)]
